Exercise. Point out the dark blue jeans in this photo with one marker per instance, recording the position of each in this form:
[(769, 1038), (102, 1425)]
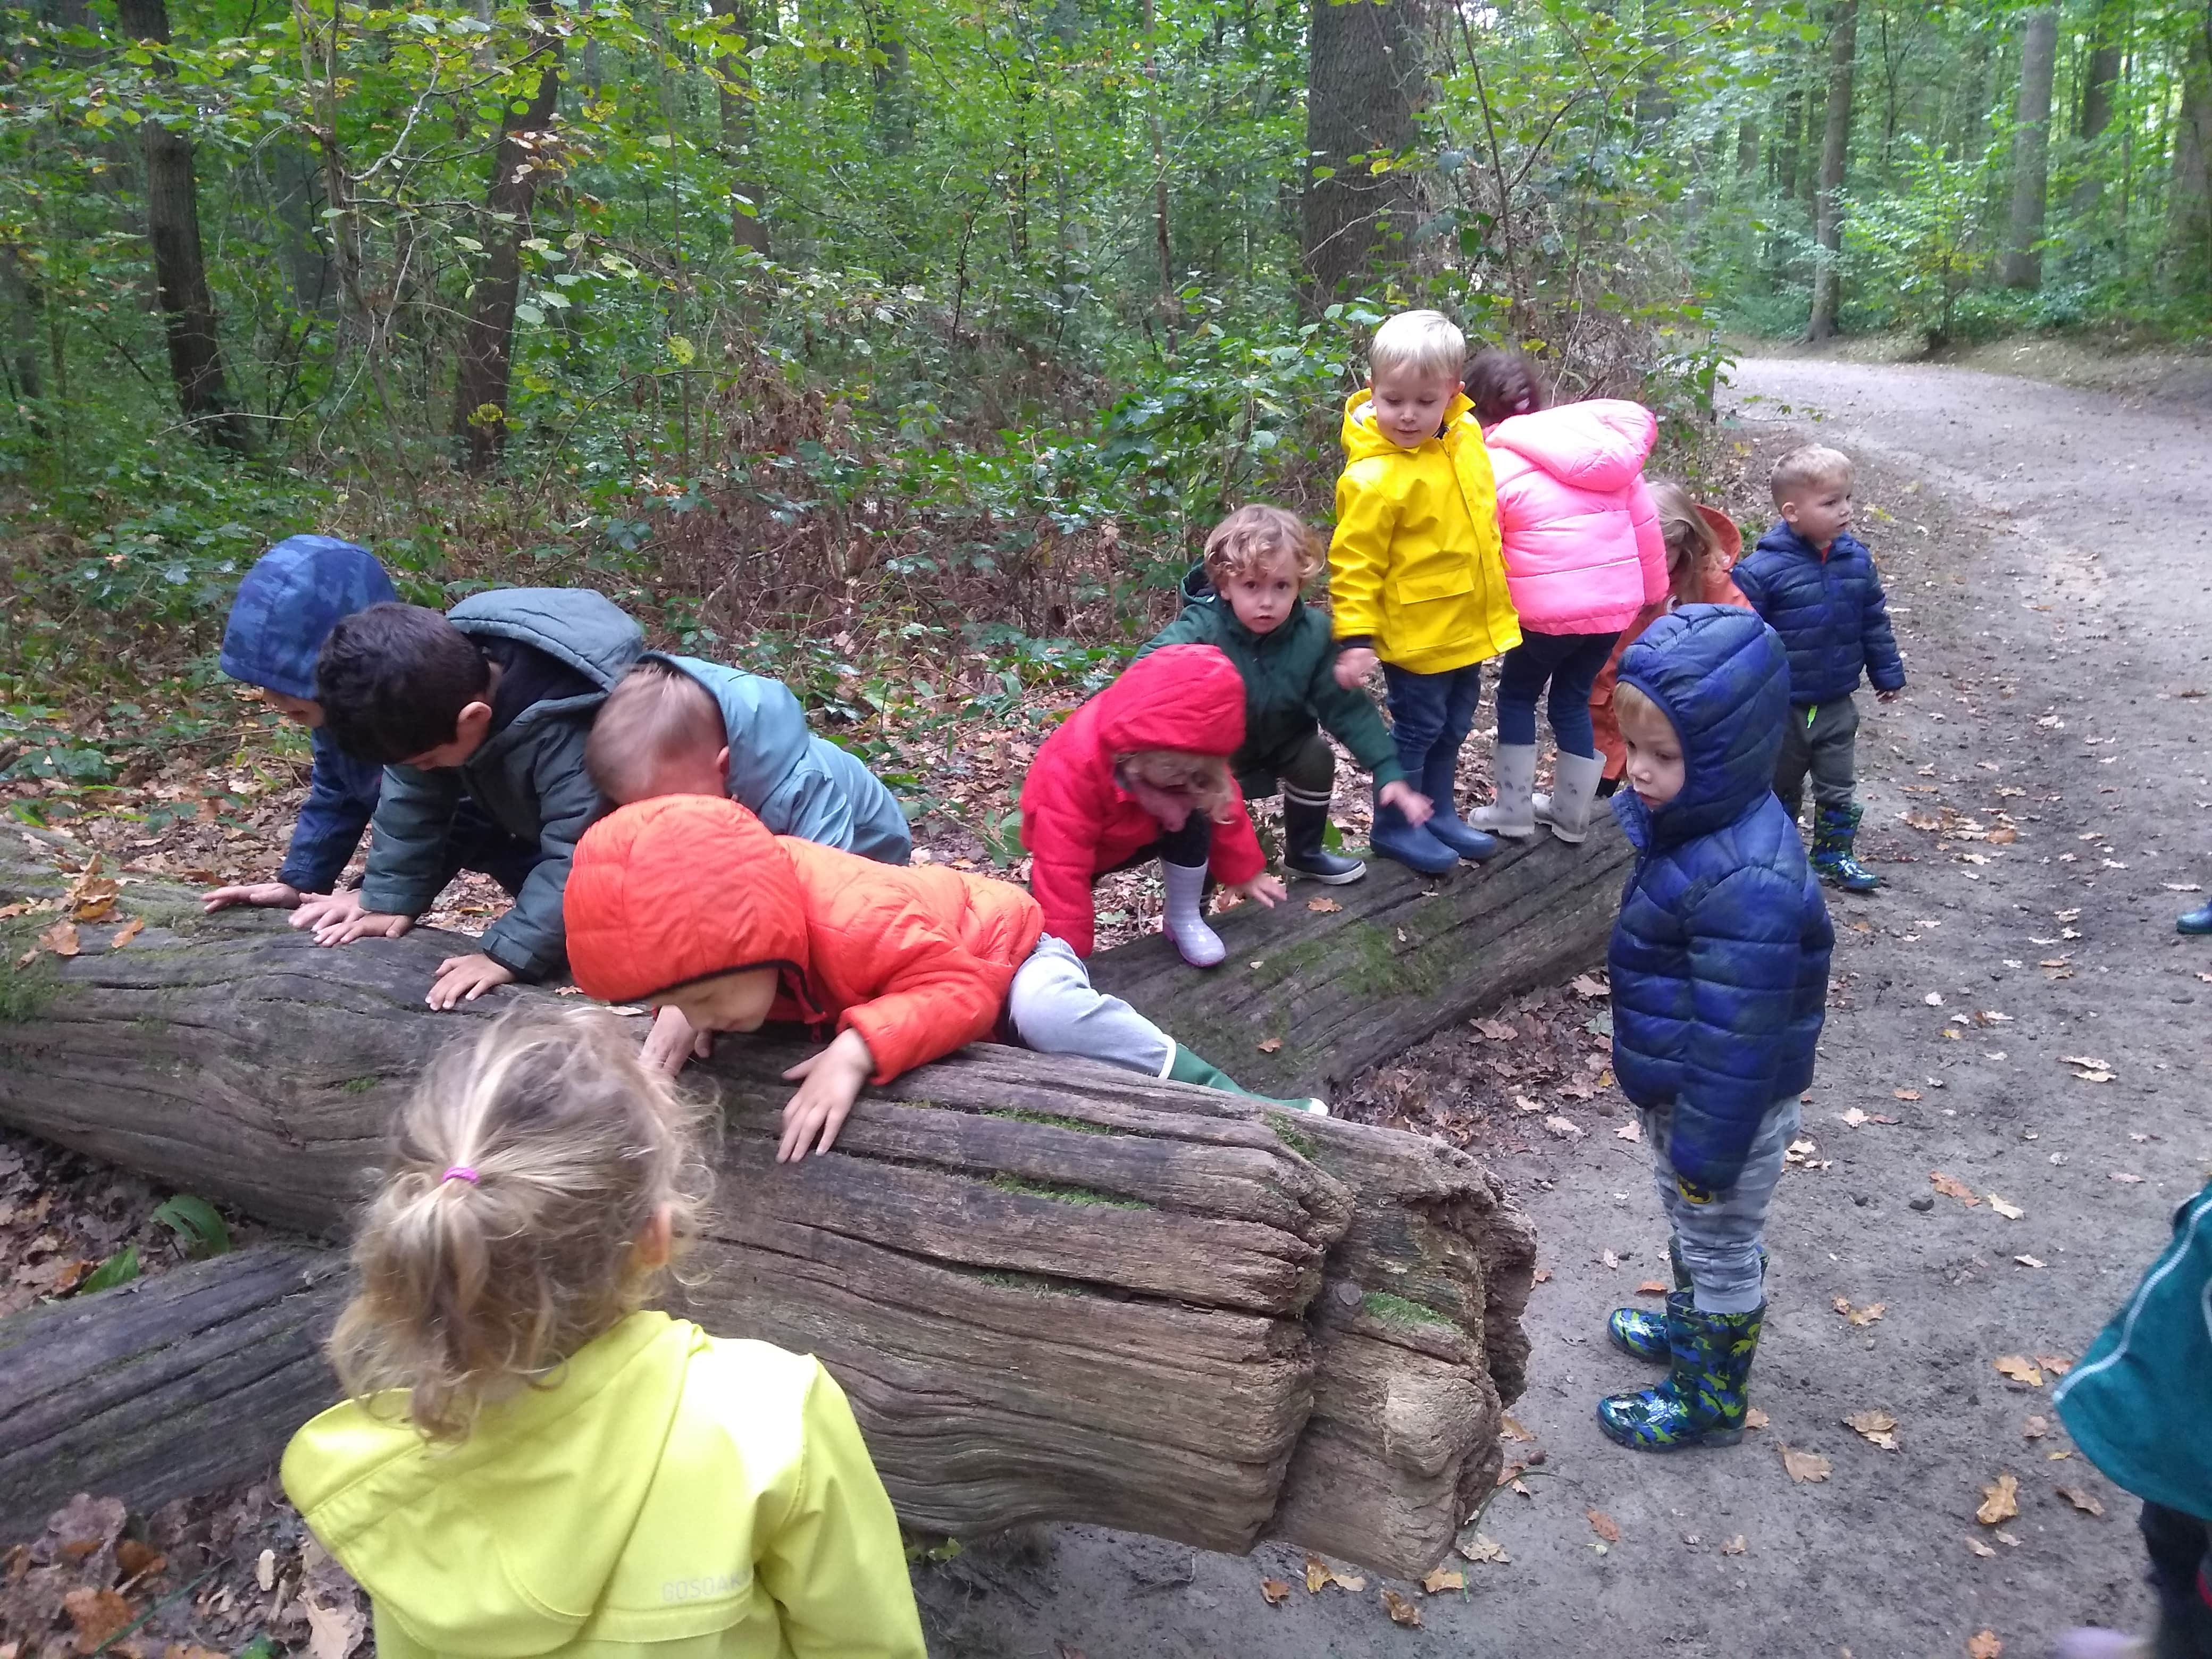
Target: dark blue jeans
[(2180, 1548), (1430, 715), (1571, 662)]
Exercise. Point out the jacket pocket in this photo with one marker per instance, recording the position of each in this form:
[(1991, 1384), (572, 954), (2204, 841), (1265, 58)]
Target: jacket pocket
[(1439, 581)]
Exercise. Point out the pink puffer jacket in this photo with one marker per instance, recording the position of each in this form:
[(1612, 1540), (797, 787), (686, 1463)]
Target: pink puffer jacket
[(1583, 554)]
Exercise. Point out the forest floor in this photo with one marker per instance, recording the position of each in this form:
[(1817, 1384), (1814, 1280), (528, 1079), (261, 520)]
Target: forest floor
[(2044, 550), (2036, 803)]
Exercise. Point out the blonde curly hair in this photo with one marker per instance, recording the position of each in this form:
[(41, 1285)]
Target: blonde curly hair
[(1253, 537)]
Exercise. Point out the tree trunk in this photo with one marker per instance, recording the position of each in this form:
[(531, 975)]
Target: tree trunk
[(2022, 266), (890, 78), (173, 229), (1403, 958), (2100, 81), (1365, 83), (1835, 159), (486, 345), (27, 331), (748, 198), (165, 1387), (1053, 1290), (1747, 147), (2189, 219), (1791, 137)]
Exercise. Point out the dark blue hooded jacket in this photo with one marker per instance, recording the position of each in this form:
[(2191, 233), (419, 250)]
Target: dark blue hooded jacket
[(1829, 610), (286, 607), (1719, 961)]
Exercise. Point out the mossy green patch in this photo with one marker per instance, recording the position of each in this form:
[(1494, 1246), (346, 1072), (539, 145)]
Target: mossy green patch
[(27, 991), (1060, 1195), (1397, 1311), (1053, 1119), (1287, 1131)]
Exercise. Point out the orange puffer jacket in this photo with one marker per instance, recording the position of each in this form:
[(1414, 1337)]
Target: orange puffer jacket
[(1078, 822), (917, 959)]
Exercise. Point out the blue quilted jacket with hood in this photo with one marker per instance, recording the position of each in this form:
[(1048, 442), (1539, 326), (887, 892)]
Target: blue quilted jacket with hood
[(1719, 961), (295, 594), (1830, 611)]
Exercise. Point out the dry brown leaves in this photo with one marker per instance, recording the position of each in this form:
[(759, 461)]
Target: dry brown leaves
[(125, 933), (61, 939), (2082, 1499), (2000, 1500), (1401, 1611), (1984, 1644), (1323, 907), (1603, 1525), (2035, 1428), (1320, 1576), (1485, 1548), (1273, 1590), (1877, 1427), (1753, 1417), (1804, 1467), (1861, 1316), (1951, 1187), (1735, 1546), (1443, 1579), (2019, 1368), (1269, 1045)]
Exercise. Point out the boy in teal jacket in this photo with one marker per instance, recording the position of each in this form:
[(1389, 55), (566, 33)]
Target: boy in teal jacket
[(2140, 1407), (1244, 601)]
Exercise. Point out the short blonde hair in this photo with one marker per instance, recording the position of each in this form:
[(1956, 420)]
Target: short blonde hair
[(1681, 524), (1426, 342), (656, 713), (1204, 778), (1631, 703), (1806, 467), (530, 1160), (1253, 537)]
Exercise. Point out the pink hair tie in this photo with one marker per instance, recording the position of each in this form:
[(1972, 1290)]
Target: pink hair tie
[(458, 1172)]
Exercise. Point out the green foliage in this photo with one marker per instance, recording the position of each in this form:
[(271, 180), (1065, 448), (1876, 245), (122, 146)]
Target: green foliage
[(199, 1229), (1917, 248), (1397, 1311), (119, 1269)]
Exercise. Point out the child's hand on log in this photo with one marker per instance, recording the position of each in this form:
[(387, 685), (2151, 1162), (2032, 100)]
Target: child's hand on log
[(1353, 666), (672, 1041), (322, 910), (829, 1083), (463, 979), (1417, 806), (1267, 889), (271, 894), (361, 924)]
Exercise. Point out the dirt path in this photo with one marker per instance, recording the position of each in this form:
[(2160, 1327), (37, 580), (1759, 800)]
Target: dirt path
[(2050, 558)]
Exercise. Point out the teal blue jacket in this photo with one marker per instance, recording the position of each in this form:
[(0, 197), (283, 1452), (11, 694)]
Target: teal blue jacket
[(2140, 1403)]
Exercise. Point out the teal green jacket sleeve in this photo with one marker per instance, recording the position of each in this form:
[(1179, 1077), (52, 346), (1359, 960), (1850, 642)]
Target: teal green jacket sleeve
[(531, 938), (412, 825), (1189, 628), (1351, 718)]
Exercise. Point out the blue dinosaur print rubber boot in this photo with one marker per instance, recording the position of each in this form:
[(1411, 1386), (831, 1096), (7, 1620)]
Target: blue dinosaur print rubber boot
[(1834, 829), (1643, 1332), (1704, 1399)]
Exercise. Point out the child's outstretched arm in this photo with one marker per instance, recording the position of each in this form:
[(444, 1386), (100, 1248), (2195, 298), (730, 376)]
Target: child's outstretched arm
[(1884, 663), (1746, 947), (835, 1566)]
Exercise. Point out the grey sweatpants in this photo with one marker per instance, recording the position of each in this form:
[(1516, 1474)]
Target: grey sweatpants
[(1055, 1009), (1818, 740), (1720, 1241)]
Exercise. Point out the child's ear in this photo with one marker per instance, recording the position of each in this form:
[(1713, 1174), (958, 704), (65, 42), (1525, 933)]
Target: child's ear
[(474, 723), (722, 761)]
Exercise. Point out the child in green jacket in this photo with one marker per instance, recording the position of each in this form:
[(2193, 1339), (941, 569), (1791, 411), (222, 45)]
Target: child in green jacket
[(1245, 600)]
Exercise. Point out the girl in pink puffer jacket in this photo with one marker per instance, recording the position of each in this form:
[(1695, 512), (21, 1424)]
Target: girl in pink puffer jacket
[(1584, 556)]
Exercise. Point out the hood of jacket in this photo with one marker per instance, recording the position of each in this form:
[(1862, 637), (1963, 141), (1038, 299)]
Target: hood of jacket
[(1364, 440), (287, 603), (1721, 676), (463, 1544), (1188, 698), (636, 925), (588, 631), (1599, 444)]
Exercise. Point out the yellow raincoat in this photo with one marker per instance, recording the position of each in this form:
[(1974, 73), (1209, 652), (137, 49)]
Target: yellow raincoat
[(1415, 565), (673, 1496)]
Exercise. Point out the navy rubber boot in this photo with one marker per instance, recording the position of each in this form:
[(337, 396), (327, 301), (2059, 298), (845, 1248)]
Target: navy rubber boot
[(1439, 780), (1705, 1398)]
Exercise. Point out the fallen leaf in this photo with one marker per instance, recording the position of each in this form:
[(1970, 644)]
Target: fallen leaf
[(1498, 1030), (2030, 1261), (1804, 1466), (1318, 1577), (2056, 1364), (1609, 1258), (1934, 998), (1510, 1426), (1603, 1525), (1854, 1117), (1270, 1045), (333, 1632), (2020, 1368), (1511, 1472), (1652, 1287), (1980, 1548), (1861, 1316), (1443, 1579), (1352, 1582), (2009, 1212), (27, 958), (2000, 1501), (1523, 1104), (1543, 1275), (1565, 1127), (138, 1560), (2082, 1499), (97, 1615), (1878, 1428), (1755, 1419), (1984, 1645), (1906, 1094), (1273, 1590), (2006, 1539), (1485, 1548), (1735, 1546), (129, 930), (1323, 906), (60, 938), (264, 1570), (2131, 1180), (1951, 1187), (2035, 1428), (1630, 1131), (1586, 988), (1401, 1611)]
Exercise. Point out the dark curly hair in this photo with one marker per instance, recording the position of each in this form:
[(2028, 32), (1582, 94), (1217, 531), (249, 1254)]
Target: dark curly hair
[(1501, 384), (393, 679)]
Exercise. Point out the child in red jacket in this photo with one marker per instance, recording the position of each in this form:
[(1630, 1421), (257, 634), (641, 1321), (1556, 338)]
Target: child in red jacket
[(687, 901), (1142, 771)]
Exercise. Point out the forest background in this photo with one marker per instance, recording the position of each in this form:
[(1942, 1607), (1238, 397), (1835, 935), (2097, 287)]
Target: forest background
[(905, 349)]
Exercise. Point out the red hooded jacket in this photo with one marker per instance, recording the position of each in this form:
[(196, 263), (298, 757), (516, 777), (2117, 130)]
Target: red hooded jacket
[(1077, 820), (917, 959)]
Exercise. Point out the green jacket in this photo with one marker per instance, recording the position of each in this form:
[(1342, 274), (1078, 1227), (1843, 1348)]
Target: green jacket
[(2139, 1402), (528, 778), (1289, 681)]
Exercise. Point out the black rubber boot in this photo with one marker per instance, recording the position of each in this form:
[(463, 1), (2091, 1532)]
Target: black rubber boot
[(1305, 844)]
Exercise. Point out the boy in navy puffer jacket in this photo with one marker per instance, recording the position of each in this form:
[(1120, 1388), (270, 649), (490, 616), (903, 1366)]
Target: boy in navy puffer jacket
[(1817, 588), (1719, 965)]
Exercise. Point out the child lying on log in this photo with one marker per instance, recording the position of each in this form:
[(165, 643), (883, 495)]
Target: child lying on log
[(689, 903)]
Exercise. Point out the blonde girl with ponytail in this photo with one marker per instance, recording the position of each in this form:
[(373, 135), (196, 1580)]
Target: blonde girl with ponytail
[(530, 1461)]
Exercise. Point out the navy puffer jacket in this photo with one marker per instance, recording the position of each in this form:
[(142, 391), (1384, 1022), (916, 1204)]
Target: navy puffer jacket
[(1720, 959), (1830, 611)]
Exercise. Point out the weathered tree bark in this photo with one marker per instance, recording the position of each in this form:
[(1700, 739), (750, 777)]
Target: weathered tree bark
[(2189, 213), (1053, 1290), (1366, 80), (487, 346), (1835, 159), (165, 1388), (173, 229), (748, 229), (2099, 81), (2022, 264), (1342, 990)]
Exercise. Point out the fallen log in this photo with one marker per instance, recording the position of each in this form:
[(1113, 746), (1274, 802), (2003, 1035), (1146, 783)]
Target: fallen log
[(1053, 1290), (1322, 986), (164, 1387)]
